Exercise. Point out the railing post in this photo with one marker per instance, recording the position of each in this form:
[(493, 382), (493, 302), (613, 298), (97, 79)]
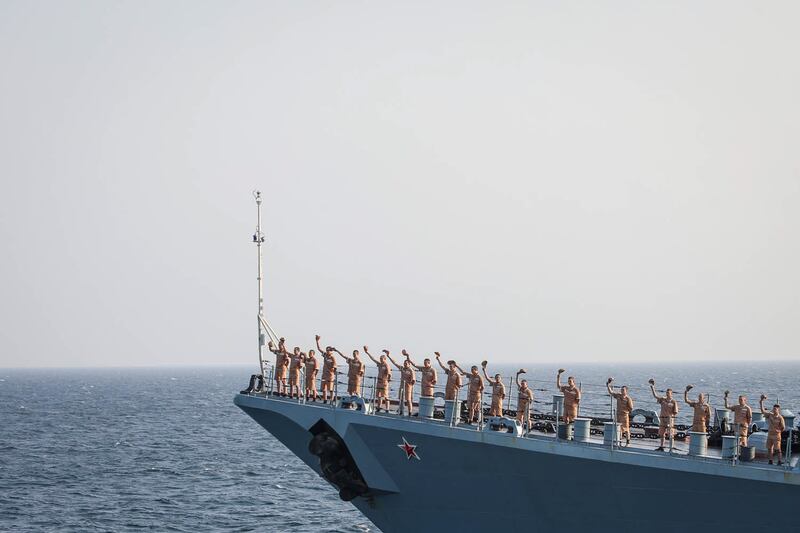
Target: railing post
[(480, 413), (671, 433), (555, 406), (527, 417), (374, 386), (455, 404), (301, 378), (335, 388), (613, 421), (510, 390), (271, 383)]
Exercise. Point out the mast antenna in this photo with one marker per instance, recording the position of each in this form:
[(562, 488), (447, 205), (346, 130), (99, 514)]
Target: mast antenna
[(258, 238)]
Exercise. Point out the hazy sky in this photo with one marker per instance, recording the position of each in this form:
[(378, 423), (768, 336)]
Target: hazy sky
[(537, 181)]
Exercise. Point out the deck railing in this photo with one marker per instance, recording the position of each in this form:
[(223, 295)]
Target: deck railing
[(541, 409)]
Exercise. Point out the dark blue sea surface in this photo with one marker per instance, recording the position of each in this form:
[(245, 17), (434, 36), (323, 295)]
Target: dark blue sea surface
[(166, 450), (150, 449)]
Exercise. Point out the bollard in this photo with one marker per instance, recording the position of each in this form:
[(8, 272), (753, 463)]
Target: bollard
[(565, 431), (729, 446), (426, 407), (452, 411), (747, 454), (611, 433), (698, 443), (582, 429)]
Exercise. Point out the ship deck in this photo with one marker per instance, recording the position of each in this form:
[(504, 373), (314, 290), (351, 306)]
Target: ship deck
[(642, 447)]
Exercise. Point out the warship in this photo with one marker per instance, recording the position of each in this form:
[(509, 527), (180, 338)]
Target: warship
[(433, 472)]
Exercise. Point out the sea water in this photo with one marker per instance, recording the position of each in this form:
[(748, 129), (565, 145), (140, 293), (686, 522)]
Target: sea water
[(166, 450)]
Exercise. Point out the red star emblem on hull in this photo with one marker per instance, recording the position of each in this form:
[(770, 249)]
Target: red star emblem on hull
[(410, 449)]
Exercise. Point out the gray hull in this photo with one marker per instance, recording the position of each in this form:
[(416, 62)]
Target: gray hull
[(482, 480)]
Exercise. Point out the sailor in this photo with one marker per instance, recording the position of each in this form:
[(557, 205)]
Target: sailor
[(355, 372), (329, 371), (280, 366), (474, 393), (453, 378), (296, 365), (428, 380), (702, 411), (408, 377), (572, 397), (669, 410), (624, 408), (776, 427), (498, 391), (742, 417), (311, 375), (382, 382), (524, 399)]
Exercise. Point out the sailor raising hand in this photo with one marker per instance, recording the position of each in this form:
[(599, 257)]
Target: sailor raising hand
[(383, 379), (328, 379), (498, 391), (453, 377), (669, 410), (572, 396)]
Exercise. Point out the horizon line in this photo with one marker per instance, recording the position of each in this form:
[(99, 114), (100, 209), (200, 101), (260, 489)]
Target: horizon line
[(369, 363)]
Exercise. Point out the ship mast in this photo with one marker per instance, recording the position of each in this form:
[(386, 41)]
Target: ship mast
[(258, 238)]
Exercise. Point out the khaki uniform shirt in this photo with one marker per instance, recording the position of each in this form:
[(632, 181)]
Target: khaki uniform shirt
[(572, 397), (329, 368), (702, 413), (777, 425), (624, 405), (280, 366), (356, 369), (525, 396), (669, 409), (311, 371), (742, 414), (498, 392), (453, 383), (384, 374), (296, 364), (428, 381), (475, 387)]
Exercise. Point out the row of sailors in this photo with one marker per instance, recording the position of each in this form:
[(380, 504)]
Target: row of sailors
[(701, 415), (293, 363)]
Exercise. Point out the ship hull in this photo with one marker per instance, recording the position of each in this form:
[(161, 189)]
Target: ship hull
[(480, 480)]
